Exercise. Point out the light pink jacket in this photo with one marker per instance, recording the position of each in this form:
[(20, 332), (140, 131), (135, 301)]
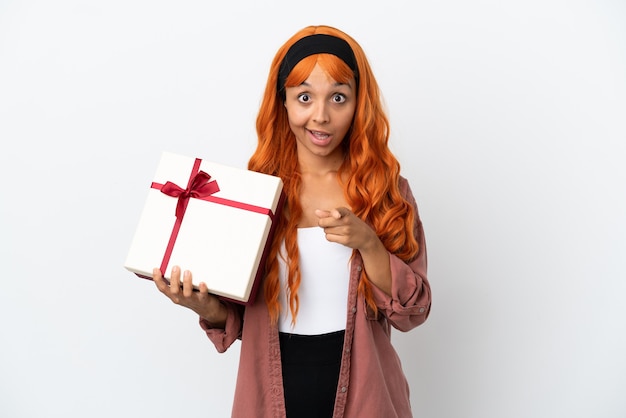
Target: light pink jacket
[(371, 381)]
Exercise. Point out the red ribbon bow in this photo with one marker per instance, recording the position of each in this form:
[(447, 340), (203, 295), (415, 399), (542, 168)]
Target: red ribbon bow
[(199, 187)]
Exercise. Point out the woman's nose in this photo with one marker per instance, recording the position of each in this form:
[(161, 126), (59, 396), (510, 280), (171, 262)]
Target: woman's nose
[(320, 113)]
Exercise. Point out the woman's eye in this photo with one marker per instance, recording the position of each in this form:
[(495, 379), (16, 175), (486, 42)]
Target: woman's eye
[(339, 98), (304, 98)]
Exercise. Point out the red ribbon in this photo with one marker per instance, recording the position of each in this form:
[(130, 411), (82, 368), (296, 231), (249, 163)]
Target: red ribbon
[(198, 187)]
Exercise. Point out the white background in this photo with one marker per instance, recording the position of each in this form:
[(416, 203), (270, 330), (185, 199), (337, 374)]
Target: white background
[(508, 118)]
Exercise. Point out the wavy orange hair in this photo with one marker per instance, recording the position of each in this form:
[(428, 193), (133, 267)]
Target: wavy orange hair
[(370, 169)]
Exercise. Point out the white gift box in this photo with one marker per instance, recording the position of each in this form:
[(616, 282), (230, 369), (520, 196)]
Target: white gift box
[(222, 232)]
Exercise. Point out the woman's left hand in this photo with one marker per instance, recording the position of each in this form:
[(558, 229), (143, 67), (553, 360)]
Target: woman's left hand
[(344, 227)]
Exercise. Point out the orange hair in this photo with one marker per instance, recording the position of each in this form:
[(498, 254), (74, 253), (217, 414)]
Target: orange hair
[(370, 169)]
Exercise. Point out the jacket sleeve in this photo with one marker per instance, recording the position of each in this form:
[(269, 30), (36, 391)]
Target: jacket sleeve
[(223, 338), (410, 300)]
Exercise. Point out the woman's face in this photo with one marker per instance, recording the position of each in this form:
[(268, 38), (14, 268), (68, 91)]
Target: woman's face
[(320, 113)]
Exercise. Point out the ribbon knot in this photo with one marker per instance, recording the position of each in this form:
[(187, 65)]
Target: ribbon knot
[(198, 187)]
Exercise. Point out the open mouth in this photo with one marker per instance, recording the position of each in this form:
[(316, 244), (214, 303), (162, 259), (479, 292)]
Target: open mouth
[(320, 138)]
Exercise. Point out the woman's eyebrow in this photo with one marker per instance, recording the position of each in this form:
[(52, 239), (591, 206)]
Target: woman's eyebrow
[(337, 84)]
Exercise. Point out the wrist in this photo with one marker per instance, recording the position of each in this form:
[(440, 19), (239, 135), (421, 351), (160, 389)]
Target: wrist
[(373, 246), (216, 317)]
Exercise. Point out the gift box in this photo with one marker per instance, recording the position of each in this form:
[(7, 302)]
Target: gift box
[(214, 220)]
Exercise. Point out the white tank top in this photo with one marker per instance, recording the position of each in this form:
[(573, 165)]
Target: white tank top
[(323, 292)]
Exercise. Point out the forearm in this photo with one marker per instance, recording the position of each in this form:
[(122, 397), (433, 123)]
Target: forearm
[(377, 267)]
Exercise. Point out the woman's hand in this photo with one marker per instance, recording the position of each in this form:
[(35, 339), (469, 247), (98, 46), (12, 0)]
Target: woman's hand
[(202, 302), (344, 227)]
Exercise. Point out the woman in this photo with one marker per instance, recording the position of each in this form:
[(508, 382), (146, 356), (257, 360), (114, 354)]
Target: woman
[(348, 260)]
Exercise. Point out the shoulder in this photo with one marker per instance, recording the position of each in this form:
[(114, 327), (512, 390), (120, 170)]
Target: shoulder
[(405, 188)]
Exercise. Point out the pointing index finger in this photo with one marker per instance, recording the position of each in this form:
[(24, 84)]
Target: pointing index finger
[(339, 213)]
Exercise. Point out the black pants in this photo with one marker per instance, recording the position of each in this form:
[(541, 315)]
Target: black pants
[(310, 365)]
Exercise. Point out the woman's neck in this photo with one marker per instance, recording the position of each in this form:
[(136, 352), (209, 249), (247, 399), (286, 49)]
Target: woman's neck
[(320, 165)]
